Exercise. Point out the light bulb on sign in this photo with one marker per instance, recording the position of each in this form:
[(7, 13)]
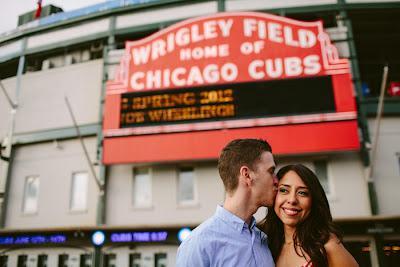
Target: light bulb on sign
[(184, 233), (98, 238)]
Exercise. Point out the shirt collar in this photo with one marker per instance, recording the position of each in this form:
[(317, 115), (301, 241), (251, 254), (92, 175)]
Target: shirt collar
[(237, 223)]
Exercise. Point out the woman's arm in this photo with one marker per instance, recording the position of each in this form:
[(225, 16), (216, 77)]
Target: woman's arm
[(338, 255)]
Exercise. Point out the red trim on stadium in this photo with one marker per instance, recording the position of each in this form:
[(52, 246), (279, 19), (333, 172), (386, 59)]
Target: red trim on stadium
[(203, 145)]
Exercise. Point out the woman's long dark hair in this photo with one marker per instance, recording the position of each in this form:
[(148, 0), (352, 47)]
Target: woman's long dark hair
[(314, 231)]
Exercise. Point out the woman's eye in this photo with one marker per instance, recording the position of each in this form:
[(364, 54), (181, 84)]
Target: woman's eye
[(282, 190), (303, 193)]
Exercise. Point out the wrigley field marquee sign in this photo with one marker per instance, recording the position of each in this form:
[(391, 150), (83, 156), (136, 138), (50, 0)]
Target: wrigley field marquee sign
[(229, 71)]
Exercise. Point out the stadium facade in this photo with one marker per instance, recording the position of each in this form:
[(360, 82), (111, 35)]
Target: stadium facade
[(112, 117)]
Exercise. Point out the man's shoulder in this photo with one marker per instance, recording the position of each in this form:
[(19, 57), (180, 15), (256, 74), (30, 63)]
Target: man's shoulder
[(202, 234), (205, 227), (195, 249)]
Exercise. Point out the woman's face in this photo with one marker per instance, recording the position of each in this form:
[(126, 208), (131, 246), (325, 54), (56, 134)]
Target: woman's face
[(293, 200)]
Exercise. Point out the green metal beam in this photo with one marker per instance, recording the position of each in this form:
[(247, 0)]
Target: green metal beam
[(8, 166), (97, 257), (101, 200), (9, 57), (333, 7), (54, 134), (391, 106), (63, 44), (373, 5), (362, 119), (221, 5), (138, 29), (301, 9)]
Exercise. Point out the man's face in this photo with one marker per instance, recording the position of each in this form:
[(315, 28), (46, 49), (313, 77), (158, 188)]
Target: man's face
[(264, 180)]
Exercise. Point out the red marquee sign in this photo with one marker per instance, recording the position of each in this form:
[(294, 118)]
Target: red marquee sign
[(220, 67)]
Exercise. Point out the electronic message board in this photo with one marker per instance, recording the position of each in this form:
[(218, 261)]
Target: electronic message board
[(248, 100), (204, 81)]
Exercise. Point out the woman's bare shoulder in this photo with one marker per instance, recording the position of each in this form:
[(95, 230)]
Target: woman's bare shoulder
[(332, 242), (338, 254)]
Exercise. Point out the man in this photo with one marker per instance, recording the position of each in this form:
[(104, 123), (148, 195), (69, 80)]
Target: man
[(230, 237)]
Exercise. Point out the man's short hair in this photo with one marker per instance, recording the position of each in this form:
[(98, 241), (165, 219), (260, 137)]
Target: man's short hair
[(238, 153)]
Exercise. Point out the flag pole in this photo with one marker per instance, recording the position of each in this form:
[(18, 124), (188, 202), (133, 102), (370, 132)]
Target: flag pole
[(370, 169), (78, 132), (12, 104)]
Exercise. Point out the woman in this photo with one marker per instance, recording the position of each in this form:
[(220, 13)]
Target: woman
[(300, 228)]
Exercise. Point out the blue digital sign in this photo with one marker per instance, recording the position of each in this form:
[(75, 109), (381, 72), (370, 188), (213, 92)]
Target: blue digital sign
[(139, 237), (97, 238), (33, 239)]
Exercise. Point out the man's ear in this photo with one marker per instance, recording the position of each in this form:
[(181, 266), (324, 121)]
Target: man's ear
[(245, 175)]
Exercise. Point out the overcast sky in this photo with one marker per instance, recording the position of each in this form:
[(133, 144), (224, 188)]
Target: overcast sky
[(11, 9)]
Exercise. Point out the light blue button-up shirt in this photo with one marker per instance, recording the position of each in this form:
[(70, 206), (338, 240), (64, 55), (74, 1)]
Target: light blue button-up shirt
[(225, 240)]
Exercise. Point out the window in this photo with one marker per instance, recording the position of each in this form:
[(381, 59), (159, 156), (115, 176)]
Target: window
[(55, 58), (63, 260), (134, 260), (321, 170), (42, 260), (79, 189), (85, 260), (186, 184), (22, 261), (160, 260), (142, 187), (31, 194), (110, 260), (3, 260)]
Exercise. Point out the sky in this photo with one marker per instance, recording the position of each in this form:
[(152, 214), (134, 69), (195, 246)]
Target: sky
[(10, 10)]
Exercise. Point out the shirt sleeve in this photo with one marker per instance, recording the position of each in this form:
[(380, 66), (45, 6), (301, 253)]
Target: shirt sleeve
[(192, 253)]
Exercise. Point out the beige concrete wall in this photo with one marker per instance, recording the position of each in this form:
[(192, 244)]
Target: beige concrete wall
[(350, 192), (386, 167), (41, 101), (165, 209), (54, 163), (348, 198)]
